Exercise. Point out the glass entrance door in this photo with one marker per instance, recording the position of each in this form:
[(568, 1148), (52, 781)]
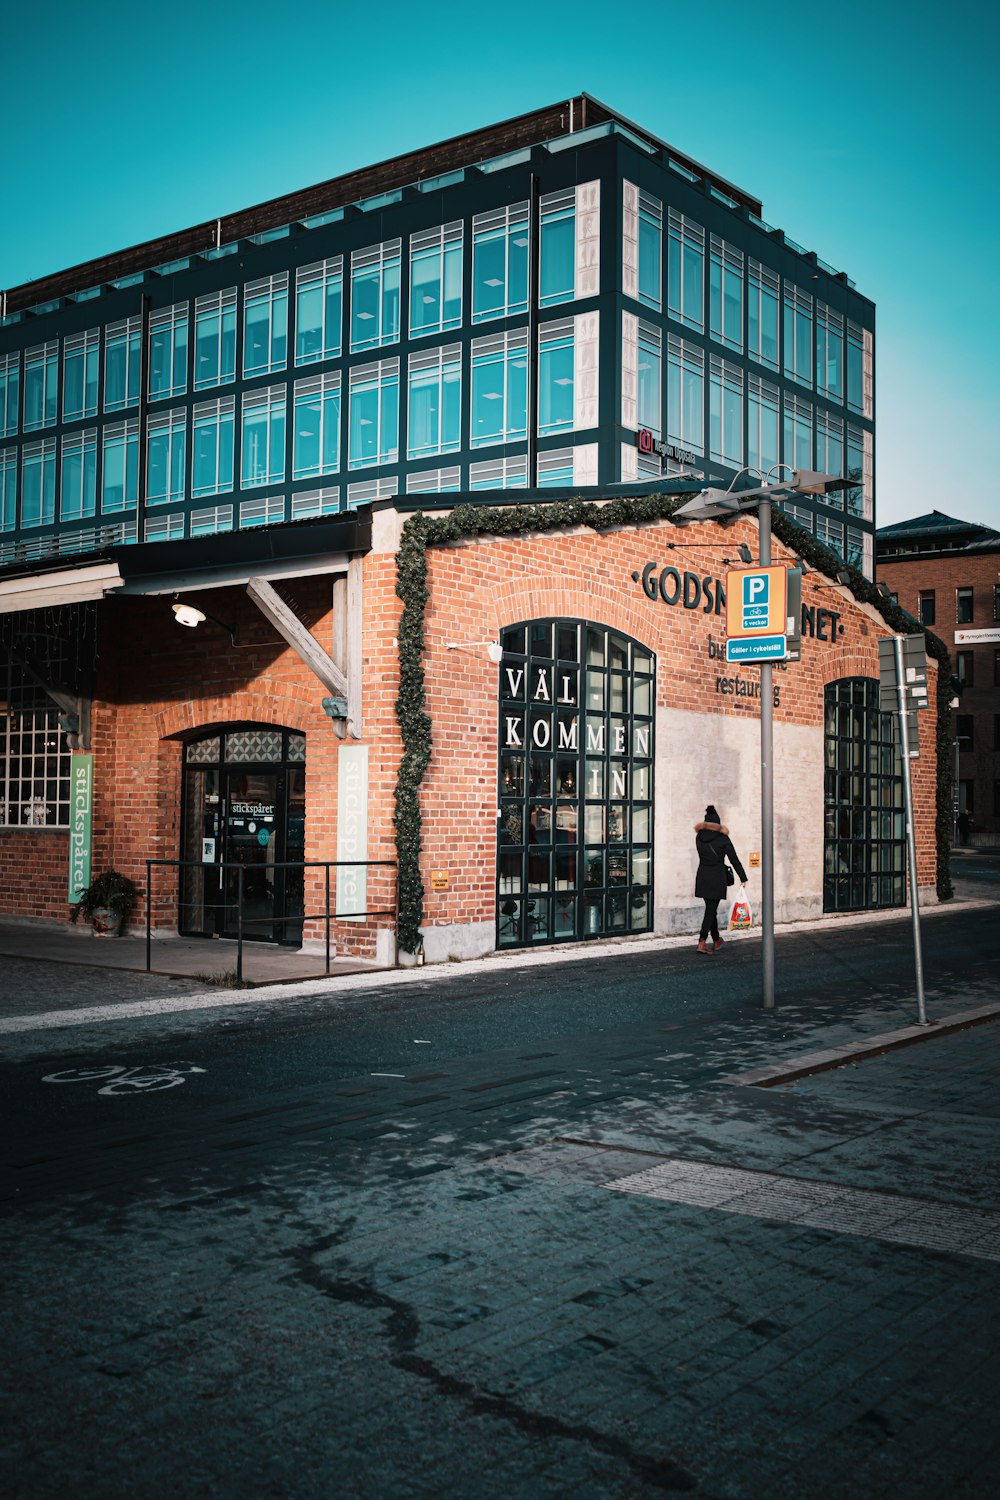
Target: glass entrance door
[(244, 817), (253, 817)]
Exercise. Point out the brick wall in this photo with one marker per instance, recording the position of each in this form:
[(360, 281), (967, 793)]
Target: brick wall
[(158, 684), (978, 767), (479, 587)]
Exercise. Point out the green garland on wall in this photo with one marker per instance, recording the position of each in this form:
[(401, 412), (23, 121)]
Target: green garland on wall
[(422, 531)]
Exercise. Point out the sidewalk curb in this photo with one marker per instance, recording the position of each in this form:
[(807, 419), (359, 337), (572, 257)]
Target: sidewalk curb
[(342, 989), (852, 1052)]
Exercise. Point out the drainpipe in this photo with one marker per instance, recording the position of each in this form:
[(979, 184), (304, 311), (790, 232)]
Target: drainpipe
[(534, 248)]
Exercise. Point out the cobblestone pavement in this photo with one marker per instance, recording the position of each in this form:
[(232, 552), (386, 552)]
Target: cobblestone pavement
[(387, 1249)]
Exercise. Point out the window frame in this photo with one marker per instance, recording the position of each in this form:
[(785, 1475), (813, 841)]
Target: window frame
[(443, 249), (509, 224), (220, 309), (168, 331), (326, 277), (270, 292)]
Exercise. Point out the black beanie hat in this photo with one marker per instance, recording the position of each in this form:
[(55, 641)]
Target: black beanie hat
[(712, 814)]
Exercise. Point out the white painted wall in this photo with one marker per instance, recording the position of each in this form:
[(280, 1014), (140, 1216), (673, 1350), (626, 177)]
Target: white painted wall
[(702, 758)]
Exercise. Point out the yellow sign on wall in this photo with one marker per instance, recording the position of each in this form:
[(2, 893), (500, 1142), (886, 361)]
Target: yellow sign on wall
[(439, 880), (756, 602)]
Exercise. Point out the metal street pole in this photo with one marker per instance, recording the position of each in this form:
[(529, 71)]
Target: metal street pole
[(766, 787), (911, 841)]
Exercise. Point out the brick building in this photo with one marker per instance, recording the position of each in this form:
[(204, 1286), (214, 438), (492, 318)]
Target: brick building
[(946, 573), (235, 427), (545, 688)]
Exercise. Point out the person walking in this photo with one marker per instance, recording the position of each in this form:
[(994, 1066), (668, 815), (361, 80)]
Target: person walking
[(714, 848)]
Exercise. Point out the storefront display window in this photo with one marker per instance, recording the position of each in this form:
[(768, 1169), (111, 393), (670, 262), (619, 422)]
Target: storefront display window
[(864, 847), (575, 783)]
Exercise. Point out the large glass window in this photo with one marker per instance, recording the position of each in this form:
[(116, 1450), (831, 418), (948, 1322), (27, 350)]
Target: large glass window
[(864, 848), (319, 310), (963, 606), (78, 475), (215, 339), (168, 350), (685, 394), (262, 446), (642, 246), (316, 448), (10, 390), (81, 359), (763, 421), (927, 607), (798, 335), (798, 433), (435, 405), (725, 412), (650, 378), (38, 483), (854, 498), (557, 264), (650, 250), (375, 295), (41, 386), (556, 364), (122, 364), (265, 325), (830, 450), (686, 270), (212, 437), (500, 263), (34, 753), (860, 370), (829, 353), (830, 532), (120, 467), (436, 280), (575, 787), (499, 388), (854, 549), (762, 314), (8, 489), (166, 456), (374, 414), (725, 299)]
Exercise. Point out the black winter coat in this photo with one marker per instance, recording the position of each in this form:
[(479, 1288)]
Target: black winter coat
[(714, 848)]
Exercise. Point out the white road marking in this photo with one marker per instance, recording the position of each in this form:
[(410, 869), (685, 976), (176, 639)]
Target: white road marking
[(918, 1222)]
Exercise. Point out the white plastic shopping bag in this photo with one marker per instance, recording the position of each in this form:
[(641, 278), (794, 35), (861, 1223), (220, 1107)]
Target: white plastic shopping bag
[(740, 913)]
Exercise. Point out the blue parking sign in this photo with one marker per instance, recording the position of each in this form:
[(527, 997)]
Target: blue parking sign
[(756, 600)]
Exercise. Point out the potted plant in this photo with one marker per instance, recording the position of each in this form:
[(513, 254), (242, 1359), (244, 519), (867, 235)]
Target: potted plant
[(107, 903)]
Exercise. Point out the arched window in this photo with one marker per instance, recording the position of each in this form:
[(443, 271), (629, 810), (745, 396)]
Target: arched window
[(864, 854), (575, 835)]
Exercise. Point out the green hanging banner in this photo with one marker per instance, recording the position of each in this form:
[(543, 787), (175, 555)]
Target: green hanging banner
[(81, 811)]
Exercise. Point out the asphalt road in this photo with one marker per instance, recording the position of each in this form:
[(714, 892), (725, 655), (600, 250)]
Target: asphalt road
[(346, 1247)]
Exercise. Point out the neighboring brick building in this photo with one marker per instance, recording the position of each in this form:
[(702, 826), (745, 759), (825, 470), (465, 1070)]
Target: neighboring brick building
[(946, 572), (580, 712)]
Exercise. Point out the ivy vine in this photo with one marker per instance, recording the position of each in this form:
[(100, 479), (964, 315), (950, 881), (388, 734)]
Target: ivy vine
[(421, 532)]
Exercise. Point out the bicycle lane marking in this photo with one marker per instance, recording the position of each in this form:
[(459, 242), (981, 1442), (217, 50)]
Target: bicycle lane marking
[(123, 1080)]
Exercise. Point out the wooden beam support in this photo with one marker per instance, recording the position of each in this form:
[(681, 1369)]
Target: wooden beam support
[(290, 627), (347, 653)]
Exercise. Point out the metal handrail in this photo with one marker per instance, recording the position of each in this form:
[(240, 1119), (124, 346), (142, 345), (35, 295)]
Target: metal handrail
[(326, 865)]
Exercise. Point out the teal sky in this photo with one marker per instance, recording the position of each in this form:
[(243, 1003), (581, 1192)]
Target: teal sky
[(868, 130)]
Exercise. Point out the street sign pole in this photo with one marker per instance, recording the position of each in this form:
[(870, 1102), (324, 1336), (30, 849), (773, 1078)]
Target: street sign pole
[(911, 841), (766, 787)]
